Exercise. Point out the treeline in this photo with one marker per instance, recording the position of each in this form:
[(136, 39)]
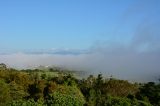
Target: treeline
[(27, 88)]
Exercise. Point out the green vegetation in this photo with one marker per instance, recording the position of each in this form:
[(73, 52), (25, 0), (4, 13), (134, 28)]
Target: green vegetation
[(54, 88)]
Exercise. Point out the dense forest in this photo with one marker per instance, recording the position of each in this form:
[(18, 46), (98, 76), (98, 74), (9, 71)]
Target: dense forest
[(34, 87)]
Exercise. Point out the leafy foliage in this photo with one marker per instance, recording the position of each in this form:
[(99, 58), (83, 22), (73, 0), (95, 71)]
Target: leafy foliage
[(30, 102), (66, 96), (151, 92), (4, 93), (36, 88)]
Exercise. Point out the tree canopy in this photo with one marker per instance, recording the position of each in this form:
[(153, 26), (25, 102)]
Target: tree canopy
[(38, 88)]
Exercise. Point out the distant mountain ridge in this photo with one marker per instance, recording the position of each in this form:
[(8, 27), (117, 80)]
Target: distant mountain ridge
[(62, 51)]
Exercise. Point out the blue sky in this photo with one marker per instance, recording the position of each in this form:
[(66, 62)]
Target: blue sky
[(75, 24)]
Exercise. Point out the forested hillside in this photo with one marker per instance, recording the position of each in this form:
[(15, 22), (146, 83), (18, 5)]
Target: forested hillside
[(30, 88)]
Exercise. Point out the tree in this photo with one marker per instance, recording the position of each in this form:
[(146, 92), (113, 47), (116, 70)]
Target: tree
[(4, 93), (66, 96), (17, 91), (29, 102), (3, 66), (119, 88), (150, 91), (36, 89)]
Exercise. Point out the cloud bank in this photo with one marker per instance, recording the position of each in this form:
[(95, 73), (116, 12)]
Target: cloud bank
[(137, 61)]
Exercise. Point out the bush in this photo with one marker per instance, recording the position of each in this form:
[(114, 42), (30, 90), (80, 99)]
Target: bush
[(66, 96), (27, 103), (119, 101), (4, 93)]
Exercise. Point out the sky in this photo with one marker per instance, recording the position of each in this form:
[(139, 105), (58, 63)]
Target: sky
[(119, 37)]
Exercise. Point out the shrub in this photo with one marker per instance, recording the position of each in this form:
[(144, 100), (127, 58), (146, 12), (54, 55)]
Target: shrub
[(4, 93), (66, 96)]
